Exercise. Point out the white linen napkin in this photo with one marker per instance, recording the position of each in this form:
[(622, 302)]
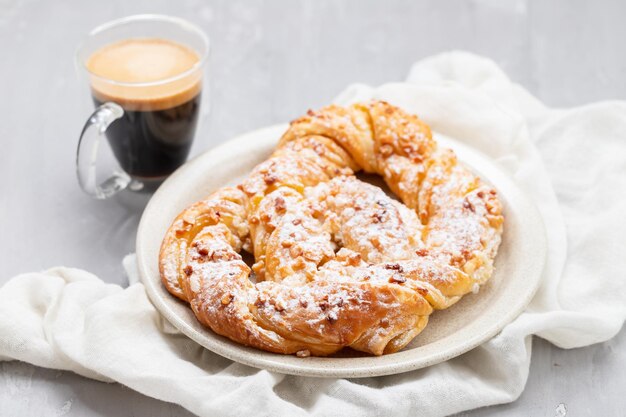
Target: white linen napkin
[(572, 163)]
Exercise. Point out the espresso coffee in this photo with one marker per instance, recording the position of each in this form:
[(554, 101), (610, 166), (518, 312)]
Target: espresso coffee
[(156, 82)]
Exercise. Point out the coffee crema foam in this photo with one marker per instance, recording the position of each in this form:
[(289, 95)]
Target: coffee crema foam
[(144, 60)]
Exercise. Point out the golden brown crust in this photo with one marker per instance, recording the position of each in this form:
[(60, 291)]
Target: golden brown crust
[(338, 262)]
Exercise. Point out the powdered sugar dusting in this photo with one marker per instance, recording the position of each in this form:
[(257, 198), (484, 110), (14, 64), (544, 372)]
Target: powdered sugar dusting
[(338, 262)]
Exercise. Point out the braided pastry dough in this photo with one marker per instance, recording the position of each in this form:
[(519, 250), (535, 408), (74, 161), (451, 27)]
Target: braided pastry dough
[(338, 262)]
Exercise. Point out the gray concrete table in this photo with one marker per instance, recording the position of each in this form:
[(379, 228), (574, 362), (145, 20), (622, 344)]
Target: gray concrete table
[(271, 61)]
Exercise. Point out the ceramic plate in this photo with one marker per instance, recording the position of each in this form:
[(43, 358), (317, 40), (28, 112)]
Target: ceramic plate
[(451, 332)]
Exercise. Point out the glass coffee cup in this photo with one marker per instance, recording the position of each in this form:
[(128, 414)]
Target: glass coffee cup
[(147, 79)]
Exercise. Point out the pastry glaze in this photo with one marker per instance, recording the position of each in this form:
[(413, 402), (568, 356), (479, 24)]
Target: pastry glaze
[(338, 262)]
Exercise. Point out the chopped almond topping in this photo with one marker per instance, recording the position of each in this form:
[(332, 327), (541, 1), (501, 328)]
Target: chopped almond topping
[(468, 205), (386, 150), (226, 299), (332, 317), (279, 204), (270, 178), (303, 353), (394, 267), (398, 279)]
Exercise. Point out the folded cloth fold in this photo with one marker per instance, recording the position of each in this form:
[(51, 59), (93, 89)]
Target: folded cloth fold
[(572, 163)]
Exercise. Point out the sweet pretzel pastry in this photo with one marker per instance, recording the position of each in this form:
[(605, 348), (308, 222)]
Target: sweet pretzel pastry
[(339, 263)]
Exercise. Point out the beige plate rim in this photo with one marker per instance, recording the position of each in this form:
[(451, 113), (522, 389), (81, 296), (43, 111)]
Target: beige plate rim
[(523, 281)]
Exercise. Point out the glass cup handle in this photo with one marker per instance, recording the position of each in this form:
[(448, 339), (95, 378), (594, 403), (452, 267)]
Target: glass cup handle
[(87, 156)]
